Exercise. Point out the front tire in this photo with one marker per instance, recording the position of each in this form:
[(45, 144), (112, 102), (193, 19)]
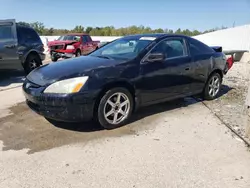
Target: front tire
[(115, 108), (212, 87), (78, 53), (54, 58)]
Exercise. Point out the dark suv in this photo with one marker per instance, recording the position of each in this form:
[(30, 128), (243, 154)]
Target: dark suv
[(20, 47)]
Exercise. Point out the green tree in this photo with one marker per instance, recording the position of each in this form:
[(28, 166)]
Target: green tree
[(88, 29), (39, 27), (112, 31), (78, 29)]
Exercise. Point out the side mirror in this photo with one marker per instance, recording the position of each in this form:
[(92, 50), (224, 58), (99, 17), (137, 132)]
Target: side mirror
[(155, 57)]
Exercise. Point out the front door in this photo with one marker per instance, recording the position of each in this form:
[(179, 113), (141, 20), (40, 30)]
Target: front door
[(170, 78), (8, 45)]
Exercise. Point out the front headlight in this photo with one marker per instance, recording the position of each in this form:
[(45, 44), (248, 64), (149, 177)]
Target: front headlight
[(70, 47), (72, 85)]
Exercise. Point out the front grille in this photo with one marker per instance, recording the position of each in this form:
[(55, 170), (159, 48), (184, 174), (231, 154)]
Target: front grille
[(57, 47)]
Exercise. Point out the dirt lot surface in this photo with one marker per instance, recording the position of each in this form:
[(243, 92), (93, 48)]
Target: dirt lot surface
[(230, 105), (176, 144)]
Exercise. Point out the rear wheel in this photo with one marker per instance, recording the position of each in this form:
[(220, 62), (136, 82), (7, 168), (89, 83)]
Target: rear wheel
[(32, 62), (115, 108), (212, 87)]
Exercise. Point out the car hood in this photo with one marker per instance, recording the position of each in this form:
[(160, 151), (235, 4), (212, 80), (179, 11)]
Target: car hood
[(58, 42), (70, 68)]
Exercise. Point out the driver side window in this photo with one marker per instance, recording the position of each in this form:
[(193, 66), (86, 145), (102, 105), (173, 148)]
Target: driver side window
[(171, 48)]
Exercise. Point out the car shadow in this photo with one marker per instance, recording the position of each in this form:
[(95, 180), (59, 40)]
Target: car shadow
[(224, 90), (148, 111), (14, 78)]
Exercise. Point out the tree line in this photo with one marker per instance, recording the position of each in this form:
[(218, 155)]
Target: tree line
[(111, 30)]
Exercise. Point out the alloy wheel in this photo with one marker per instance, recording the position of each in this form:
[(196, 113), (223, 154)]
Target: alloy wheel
[(33, 64), (214, 86), (116, 108)]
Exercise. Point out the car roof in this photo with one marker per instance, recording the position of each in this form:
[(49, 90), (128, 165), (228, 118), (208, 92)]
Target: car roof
[(24, 26), (76, 34), (157, 35)]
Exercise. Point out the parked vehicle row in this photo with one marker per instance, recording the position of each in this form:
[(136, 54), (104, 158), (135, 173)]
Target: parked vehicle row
[(72, 45), (20, 47), (110, 83)]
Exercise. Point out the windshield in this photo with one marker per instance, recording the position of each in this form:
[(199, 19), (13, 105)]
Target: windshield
[(124, 48), (69, 37)]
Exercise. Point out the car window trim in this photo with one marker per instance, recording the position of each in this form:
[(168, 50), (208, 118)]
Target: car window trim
[(186, 51)]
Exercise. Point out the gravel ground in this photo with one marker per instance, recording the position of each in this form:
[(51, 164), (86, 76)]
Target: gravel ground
[(230, 105)]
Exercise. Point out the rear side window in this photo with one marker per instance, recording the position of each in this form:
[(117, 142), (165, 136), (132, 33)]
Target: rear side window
[(88, 38), (6, 32), (27, 34), (197, 48), (172, 48)]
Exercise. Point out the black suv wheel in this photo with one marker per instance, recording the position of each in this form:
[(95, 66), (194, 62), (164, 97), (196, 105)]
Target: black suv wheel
[(32, 62)]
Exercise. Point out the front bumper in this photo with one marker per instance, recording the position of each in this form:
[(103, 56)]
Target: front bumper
[(63, 54), (61, 107)]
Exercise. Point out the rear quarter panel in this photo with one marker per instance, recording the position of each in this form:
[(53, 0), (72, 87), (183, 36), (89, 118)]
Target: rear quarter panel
[(204, 65), (218, 62)]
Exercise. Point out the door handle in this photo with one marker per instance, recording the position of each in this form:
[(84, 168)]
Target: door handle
[(187, 68)]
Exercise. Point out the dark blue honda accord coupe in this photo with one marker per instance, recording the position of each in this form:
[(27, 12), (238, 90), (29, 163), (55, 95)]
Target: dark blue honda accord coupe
[(134, 71)]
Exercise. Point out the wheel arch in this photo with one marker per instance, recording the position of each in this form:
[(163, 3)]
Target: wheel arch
[(220, 72), (78, 49), (32, 52)]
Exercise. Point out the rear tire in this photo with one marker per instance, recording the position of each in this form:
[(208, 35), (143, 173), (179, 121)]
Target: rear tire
[(115, 108), (212, 87), (32, 62)]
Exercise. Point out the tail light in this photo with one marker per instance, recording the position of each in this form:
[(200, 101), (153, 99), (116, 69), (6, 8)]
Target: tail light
[(230, 62)]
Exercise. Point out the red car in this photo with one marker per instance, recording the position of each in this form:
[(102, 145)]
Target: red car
[(72, 45)]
